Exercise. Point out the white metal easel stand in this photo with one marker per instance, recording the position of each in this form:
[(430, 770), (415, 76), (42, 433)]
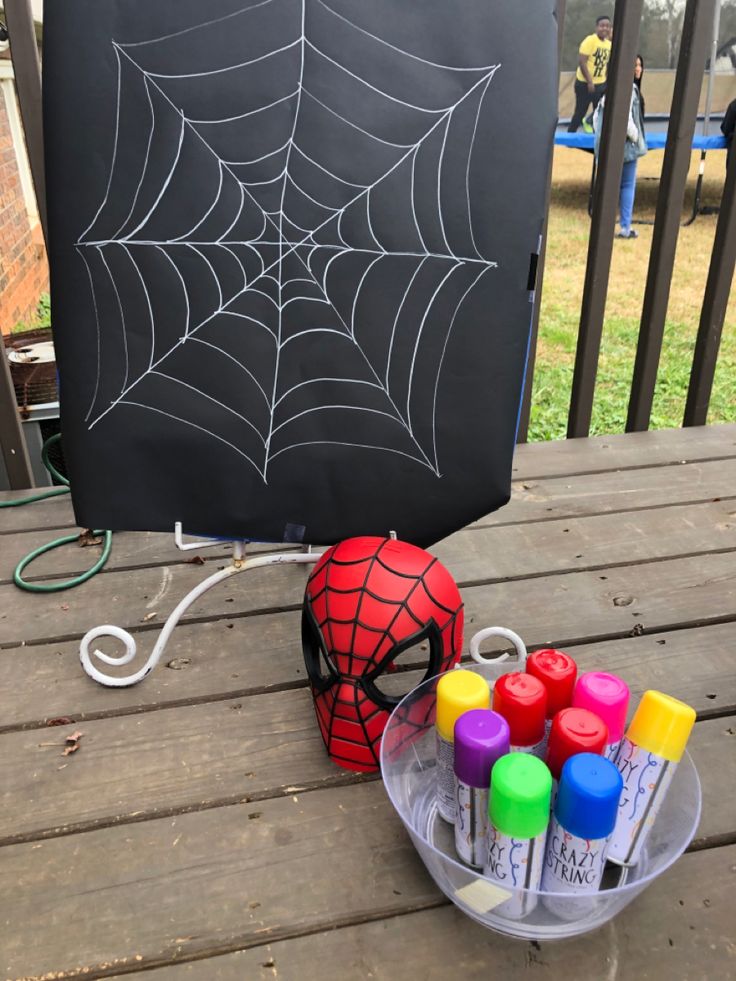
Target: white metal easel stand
[(238, 564)]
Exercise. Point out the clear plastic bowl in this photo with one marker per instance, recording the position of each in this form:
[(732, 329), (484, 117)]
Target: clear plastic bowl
[(408, 763)]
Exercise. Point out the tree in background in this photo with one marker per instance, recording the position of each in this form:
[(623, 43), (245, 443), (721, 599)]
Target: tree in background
[(4, 45), (727, 29), (669, 14)]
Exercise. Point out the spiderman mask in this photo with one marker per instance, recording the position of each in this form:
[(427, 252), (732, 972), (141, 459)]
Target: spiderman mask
[(368, 601)]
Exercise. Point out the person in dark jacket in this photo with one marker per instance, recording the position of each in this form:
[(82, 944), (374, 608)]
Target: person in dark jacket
[(727, 128)]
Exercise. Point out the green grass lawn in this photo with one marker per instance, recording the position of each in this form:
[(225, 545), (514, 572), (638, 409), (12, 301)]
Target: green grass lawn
[(562, 293)]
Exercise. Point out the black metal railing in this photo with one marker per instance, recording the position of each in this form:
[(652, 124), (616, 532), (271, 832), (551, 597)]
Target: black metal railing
[(696, 34)]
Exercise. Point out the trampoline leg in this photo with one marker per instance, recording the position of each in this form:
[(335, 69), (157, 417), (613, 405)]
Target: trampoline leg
[(698, 191), (591, 189)]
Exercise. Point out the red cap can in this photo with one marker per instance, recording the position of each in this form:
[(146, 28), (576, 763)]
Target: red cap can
[(574, 730), (522, 700), (557, 672)]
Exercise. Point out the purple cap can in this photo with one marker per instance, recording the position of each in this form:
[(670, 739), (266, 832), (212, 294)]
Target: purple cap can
[(481, 738)]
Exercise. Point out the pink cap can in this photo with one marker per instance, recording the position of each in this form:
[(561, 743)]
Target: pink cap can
[(608, 696)]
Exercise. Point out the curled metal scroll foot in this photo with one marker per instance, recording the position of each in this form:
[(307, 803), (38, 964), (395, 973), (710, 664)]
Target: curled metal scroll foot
[(487, 632), (86, 654)]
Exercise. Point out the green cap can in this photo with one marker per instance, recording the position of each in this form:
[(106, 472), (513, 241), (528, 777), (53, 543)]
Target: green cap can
[(521, 787)]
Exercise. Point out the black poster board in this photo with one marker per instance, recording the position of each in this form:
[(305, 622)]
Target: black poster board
[(290, 256)]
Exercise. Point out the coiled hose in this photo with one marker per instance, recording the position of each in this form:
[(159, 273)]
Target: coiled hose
[(54, 587)]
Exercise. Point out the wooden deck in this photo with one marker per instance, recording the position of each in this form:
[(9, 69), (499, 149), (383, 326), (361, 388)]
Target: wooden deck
[(200, 830)]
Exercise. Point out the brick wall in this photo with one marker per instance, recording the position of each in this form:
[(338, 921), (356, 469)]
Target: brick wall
[(23, 268)]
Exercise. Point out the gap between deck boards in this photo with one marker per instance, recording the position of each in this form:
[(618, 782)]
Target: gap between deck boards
[(265, 610), (490, 581), (332, 778), (207, 560), (78, 716), (694, 867), (531, 503), (382, 952), (682, 446), (269, 611), (620, 469), (335, 924), (216, 661), (698, 844)]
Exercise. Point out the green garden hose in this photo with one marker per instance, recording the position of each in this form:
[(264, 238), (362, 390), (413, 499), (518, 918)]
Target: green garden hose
[(55, 587), (20, 501), (55, 491)]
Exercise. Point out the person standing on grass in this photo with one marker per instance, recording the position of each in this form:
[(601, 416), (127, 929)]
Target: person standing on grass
[(636, 146), (590, 78)]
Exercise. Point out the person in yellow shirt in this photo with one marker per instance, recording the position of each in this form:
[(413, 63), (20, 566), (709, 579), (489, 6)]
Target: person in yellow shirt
[(590, 78)]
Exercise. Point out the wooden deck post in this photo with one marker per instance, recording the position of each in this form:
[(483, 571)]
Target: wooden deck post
[(28, 85), (696, 34), (627, 18), (27, 71), (715, 301)]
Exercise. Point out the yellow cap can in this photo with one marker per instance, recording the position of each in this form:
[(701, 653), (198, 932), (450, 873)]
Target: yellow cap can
[(458, 691), (662, 725)]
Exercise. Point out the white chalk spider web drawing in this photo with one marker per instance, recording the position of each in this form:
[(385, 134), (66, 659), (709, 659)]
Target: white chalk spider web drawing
[(286, 273)]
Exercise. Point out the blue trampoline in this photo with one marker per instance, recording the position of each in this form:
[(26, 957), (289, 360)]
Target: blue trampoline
[(656, 128), (655, 141)]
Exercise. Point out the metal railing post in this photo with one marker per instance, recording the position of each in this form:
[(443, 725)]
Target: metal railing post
[(696, 34), (715, 301)]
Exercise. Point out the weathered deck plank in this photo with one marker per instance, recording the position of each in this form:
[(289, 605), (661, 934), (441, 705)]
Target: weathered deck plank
[(194, 756), (211, 661), (138, 852), (596, 454), (681, 927), (142, 889), (623, 451), (56, 512), (615, 491), (130, 550), (126, 598), (475, 554), (583, 606), (217, 879)]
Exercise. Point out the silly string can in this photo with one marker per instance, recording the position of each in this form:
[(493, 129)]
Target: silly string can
[(481, 738), (522, 700), (557, 672), (518, 812), (583, 819), (649, 754), (574, 730), (607, 696), (458, 691)]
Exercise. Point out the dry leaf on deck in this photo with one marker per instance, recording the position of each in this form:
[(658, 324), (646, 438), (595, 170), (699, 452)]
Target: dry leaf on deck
[(72, 743), (88, 537)]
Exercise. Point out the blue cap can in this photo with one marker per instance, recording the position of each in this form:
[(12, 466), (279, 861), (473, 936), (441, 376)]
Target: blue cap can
[(588, 796)]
